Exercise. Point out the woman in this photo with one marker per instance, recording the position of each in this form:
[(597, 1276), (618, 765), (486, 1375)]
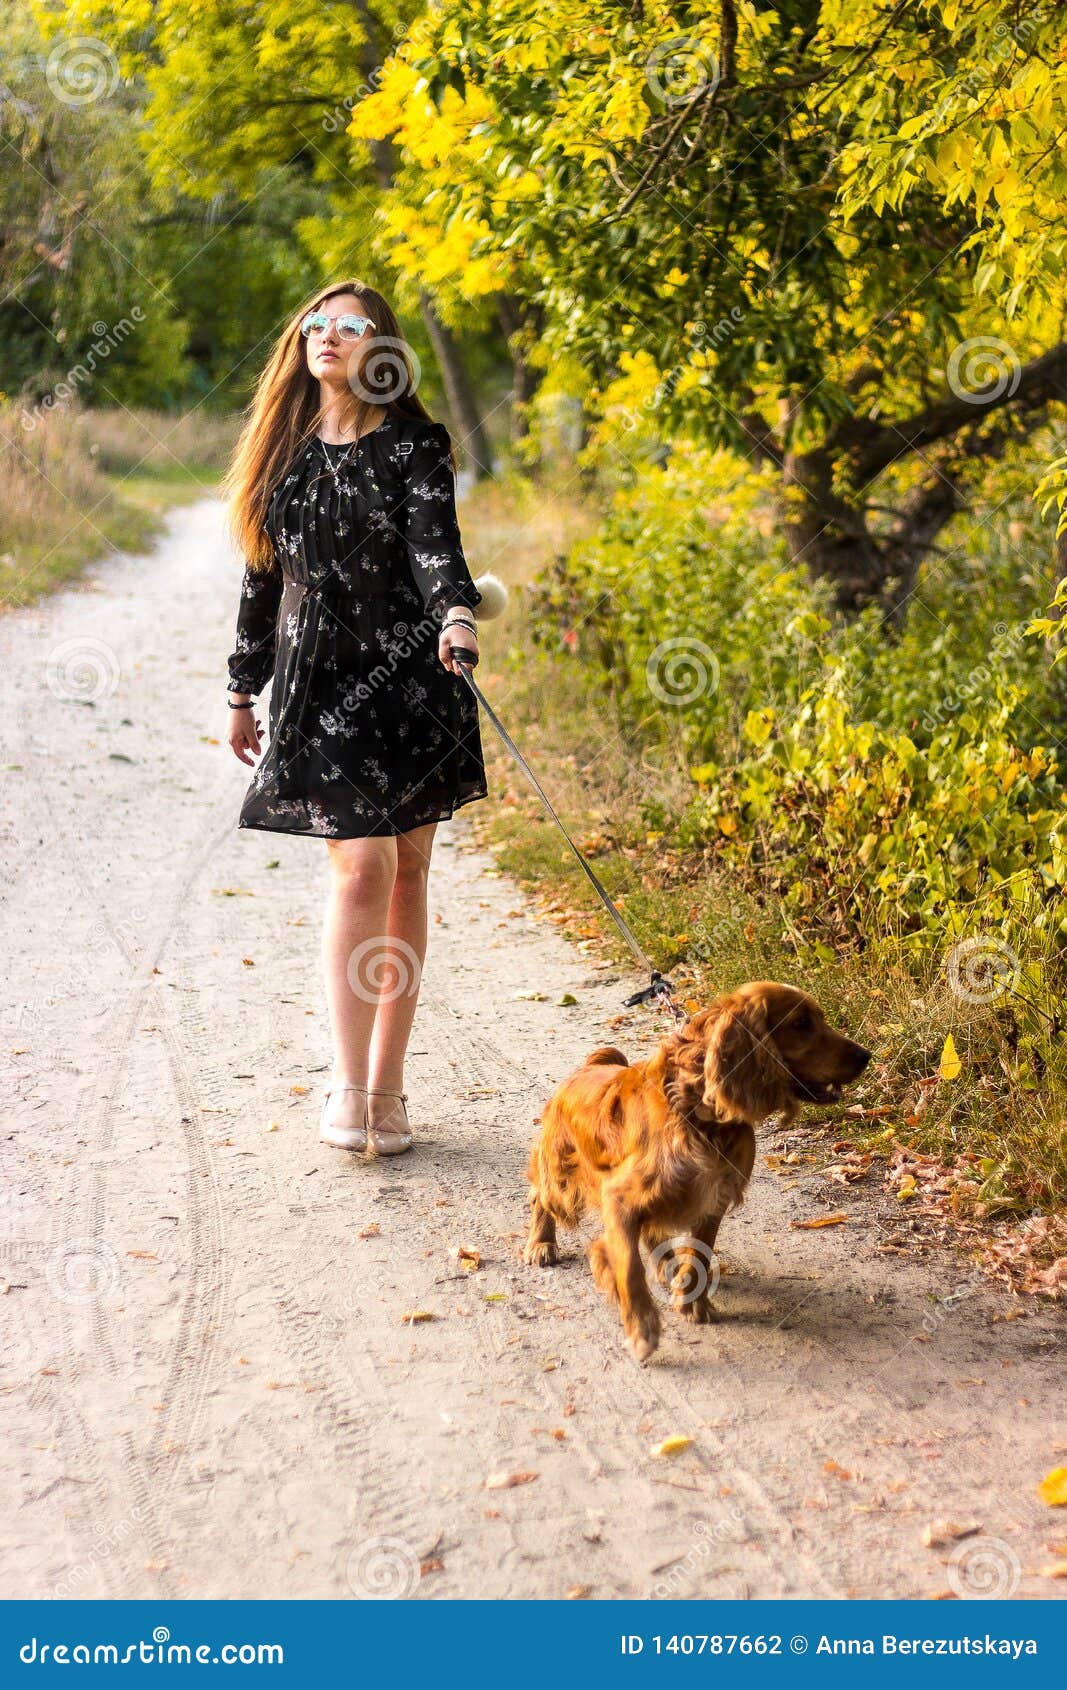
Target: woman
[(356, 595)]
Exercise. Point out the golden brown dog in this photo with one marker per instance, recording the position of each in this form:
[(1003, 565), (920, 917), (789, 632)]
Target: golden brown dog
[(665, 1148)]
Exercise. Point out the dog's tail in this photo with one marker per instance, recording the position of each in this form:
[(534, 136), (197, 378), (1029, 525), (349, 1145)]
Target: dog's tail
[(607, 1056)]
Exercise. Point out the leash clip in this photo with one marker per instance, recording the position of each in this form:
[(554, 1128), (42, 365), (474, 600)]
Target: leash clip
[(659, 989)]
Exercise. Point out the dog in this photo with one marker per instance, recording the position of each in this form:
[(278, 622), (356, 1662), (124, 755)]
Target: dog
[(665, 1148)]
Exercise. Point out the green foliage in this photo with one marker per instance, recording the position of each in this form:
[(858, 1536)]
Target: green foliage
[(876, 781)]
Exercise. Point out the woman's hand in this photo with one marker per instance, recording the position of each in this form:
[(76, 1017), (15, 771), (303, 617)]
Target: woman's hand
[(244, 729), (456, 637)]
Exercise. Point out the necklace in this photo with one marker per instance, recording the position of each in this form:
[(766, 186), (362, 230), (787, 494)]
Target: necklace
[(333, 468)]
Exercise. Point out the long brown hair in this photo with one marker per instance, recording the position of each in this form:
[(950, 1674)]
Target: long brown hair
[(285, 412)]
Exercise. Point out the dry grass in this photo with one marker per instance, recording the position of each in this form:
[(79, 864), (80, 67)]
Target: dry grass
[(82, 482)]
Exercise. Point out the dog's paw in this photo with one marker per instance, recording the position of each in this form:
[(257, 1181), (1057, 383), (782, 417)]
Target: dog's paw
[(541, 1254), (642, 1335), (697, 1310)]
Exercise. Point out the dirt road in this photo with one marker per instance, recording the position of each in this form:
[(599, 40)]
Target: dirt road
[(207, 1385)]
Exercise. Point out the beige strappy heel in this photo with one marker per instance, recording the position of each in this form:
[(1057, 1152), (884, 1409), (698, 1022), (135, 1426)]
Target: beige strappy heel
[(389, 1141), (343, 1138)]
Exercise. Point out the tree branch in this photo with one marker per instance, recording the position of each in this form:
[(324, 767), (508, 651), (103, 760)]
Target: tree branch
[(874, 446)]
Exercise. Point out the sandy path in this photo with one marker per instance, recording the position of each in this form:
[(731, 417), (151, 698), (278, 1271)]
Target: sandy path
[(206, 1386)]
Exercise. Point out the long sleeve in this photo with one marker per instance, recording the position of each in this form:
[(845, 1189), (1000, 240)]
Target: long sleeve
[(251, 663), (429, 526)]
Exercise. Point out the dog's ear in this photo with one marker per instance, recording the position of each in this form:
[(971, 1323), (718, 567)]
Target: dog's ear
[(743, 1079)]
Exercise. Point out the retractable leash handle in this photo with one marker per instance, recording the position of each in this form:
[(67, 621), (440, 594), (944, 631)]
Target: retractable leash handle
[(659, 987)]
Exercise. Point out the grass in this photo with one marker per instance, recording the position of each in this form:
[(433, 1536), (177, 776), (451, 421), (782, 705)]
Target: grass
[(999, 1138), (82, 483)]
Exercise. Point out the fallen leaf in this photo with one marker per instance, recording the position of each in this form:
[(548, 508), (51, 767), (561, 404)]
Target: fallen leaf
[(1053, 1488), (567, 1001), (156, 1566), (467, 1257), (950, 1065), (371, 1231), (495, 1297), (299, 1091), (907, 1188), (143, 1255), (412, 1317), (819, 1221), (837, 1471), (942, 1532), (274, 1126), (578, 1592), (248, 962), (1058, 1570), (673, 1445), (433, 1565), (505, 1481)]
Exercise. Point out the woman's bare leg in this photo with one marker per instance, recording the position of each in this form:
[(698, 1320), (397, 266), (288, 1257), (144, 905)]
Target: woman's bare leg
[(402, 975), (354, 940)]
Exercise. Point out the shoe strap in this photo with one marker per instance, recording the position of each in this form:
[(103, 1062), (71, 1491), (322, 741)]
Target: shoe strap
[(376, 1091), (335, 1091)]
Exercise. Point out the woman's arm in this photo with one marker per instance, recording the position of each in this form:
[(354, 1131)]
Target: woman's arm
[(429, 527), (251, 662)]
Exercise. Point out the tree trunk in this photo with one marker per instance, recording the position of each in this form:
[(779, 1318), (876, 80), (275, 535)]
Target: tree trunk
[(466, 415), (518, 326), (827, 535)]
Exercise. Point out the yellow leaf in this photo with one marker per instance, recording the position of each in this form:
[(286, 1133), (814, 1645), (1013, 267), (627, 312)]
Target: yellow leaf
[(413, 1316), (950, 1063), (1053, 1488), (907, 1188), (673, 1445), (819, 1220)]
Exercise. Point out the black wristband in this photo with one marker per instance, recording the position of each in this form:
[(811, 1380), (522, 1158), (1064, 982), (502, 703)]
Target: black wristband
[(250, 705)]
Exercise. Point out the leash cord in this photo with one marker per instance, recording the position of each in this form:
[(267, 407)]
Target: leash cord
[(660, 988)]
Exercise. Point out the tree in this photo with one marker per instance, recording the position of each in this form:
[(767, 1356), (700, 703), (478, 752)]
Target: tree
[(828, 235), (243, 102)]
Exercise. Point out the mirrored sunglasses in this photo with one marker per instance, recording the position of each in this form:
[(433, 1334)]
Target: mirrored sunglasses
[(348, 327)]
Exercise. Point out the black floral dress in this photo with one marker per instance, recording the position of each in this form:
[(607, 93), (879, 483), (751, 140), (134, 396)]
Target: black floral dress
[(369, 733)]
